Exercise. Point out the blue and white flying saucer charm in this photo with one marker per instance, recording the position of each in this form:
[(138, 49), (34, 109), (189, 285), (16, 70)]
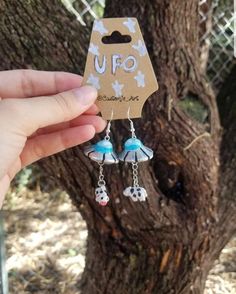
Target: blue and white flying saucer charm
[(102, 152), (135, 151)]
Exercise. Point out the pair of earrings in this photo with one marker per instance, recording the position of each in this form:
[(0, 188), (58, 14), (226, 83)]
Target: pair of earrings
[(133, 152)]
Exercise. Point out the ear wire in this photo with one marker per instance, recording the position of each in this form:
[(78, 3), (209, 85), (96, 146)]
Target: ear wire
[(132, 129), (108, 129)]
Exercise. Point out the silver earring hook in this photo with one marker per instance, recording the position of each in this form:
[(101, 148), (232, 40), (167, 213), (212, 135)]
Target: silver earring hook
[(108, 129), (132, 129), (128, 113)]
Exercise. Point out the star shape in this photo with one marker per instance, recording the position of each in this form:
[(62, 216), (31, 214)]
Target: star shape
[(141, 48), (140, 78), (94, 49), (117, 87), (94, 81), (99, 27), (130, 25)]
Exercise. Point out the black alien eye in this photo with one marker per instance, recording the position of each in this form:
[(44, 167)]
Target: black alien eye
[(101, 192), (139, 194), (138, 189), (132, 190)]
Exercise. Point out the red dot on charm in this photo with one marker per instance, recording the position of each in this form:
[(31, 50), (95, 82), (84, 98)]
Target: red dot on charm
[(103, 203)]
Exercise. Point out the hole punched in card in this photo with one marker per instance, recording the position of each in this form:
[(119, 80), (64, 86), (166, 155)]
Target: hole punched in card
[(119, 67)]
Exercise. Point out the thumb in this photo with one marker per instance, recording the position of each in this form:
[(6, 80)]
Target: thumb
[(38, 112)]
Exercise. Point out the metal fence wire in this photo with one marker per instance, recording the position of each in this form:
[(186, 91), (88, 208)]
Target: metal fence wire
[(219, 36), (216, 32)]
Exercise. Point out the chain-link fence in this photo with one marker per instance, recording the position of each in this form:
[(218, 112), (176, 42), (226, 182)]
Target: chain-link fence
[(219, 36), (85, 10), (216, 32)]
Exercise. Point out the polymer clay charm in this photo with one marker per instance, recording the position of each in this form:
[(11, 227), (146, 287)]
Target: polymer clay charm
[(102, 152), (136, 193), (101, 195), (135, 152)]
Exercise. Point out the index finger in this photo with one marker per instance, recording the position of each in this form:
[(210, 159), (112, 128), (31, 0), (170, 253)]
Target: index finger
[(29, 83)]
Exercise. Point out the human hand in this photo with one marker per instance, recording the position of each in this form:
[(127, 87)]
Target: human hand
[(42, 113)]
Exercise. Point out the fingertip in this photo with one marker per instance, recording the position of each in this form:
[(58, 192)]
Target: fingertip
[(92, 110), (85, 95), (91, 90), (100, 125), (81, 134)]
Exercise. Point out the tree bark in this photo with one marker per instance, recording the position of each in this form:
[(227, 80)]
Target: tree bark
[(169, 243)]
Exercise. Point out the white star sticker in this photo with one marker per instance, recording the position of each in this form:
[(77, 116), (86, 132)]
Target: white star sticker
[(140, 79), (130, 25), (99, 27), (141, 48), (117, 88), (94, 49), (94, 81)]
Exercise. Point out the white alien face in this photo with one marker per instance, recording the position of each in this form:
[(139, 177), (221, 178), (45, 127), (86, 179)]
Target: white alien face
[(136, 193), (101, 195)]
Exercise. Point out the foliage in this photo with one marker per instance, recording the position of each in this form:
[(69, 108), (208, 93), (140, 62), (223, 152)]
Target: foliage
[(193, 107)]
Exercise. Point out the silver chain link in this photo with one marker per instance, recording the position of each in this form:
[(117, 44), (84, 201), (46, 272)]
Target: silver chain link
[(134, 164), (135, 174), (101, 181)]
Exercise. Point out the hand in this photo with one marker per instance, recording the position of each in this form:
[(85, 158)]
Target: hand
[(42, 113)]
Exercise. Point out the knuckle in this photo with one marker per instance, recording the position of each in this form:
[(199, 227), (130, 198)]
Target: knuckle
[(27, 84), (64, 104)]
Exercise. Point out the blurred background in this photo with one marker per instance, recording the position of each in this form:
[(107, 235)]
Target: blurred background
[(45, 237)]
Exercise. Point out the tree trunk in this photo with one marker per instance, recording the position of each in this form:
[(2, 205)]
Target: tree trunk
[(169, 243)]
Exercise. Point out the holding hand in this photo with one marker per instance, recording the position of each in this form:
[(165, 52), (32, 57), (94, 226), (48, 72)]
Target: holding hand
[(42, 113)]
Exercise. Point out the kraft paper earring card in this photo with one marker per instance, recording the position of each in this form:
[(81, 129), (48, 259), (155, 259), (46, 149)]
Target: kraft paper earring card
[(119, 67)]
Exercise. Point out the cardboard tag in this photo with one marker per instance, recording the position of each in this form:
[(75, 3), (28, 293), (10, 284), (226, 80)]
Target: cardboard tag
[(118, 65)]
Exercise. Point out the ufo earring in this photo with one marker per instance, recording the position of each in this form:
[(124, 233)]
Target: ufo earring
[(102, 152), (135, 152)]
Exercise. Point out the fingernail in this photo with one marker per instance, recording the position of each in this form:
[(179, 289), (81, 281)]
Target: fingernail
[(85, 95)]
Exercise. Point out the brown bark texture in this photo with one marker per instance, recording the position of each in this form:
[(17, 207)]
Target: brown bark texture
[(169, 243)]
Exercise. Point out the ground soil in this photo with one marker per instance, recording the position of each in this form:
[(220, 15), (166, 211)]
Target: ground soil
[(46, 243)]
